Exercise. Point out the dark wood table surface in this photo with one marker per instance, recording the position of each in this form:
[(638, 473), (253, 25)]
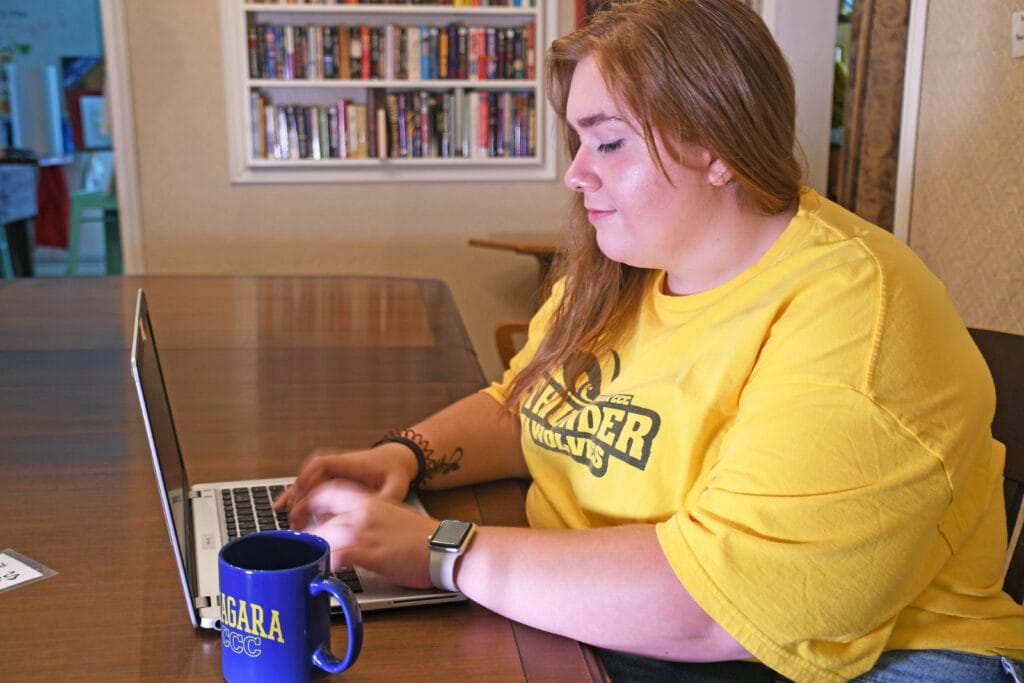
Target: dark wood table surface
[(260, 370)]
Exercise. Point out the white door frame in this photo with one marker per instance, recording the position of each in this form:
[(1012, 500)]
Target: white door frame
[(806, 32), (122, 123), (906, 158)]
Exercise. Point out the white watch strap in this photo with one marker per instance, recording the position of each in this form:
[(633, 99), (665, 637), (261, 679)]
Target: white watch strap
[(442, 569)]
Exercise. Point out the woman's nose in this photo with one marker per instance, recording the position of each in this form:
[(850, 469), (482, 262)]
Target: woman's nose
[(578, 177)]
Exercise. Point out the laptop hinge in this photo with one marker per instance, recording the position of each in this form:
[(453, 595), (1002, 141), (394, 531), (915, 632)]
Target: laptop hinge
[(205, 601)]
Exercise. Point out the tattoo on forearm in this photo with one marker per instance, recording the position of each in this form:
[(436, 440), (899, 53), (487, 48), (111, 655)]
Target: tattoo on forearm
[(444, 464), (439, 464)]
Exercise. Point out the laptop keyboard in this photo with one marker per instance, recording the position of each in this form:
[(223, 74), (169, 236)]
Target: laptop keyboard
[(250, 509)]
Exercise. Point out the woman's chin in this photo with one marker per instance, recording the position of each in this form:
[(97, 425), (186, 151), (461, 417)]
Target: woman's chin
[(614, 250)]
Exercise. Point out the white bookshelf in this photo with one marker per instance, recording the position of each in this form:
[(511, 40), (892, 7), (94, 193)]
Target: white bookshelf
[(248, 165)]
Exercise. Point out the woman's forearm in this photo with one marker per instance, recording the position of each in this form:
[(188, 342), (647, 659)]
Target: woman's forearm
[(473, 440), (608, 587)]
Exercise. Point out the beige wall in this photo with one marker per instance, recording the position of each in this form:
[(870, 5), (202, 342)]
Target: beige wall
[(195, 221), (967, 210)]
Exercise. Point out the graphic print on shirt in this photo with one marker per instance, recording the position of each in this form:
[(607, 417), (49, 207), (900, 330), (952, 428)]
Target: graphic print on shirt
[(588, 426)]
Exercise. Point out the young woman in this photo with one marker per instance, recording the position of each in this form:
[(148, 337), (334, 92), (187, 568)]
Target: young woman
[(762, 409)]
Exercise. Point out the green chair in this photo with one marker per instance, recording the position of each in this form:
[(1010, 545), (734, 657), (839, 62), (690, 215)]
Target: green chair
[(107, 202)]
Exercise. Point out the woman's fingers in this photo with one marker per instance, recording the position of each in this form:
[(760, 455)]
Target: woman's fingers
[(366, 468), (386, 537), (332, 497)]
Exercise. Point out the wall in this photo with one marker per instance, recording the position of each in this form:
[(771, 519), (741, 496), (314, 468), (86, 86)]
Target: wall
[(39, 34), (966, 213), (967, 206), (53, 29), (195, 221)]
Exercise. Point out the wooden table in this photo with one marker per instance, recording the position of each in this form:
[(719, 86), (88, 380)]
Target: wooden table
[(260, 370)]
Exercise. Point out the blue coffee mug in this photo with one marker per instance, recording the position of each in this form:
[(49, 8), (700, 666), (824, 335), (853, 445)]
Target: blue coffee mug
[(275, 611)]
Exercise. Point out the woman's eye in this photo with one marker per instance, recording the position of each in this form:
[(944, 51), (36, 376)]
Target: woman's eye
[(609, 146)]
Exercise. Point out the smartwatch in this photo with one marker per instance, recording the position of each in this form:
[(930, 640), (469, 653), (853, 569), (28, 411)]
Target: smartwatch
[(448, 542)]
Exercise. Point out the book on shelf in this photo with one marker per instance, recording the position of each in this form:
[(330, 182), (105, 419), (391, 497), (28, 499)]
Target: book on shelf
[(395, 124), (443, 62), (343, 54), (412, 53), (365, 54), (440, 3), (454, 51), (333, 130), (270, 52), (461, 51), (371, 123), (312, 117), (255, 48), (410, 85), (342, 122), (393, 127), (257, 124)]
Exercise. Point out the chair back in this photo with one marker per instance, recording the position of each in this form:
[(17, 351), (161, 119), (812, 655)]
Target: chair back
[(1004, 353)]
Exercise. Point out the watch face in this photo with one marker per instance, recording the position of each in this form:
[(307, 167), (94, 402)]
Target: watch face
[(450, 534)]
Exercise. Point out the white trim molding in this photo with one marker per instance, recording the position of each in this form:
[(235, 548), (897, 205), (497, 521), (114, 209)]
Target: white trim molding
[(122, 121), (806, 32), (909, 119)]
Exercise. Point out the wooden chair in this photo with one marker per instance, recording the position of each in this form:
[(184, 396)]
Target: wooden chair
[(1004, 353), (509, 337)]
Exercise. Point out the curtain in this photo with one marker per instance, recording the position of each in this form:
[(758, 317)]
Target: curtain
[(874, 99)]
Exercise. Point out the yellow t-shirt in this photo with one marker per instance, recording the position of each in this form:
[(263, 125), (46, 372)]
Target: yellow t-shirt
[(812, 440)]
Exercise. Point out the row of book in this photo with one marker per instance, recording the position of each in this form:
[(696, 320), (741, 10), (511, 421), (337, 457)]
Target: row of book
[(440, 3), (392, 52), (452, 124)]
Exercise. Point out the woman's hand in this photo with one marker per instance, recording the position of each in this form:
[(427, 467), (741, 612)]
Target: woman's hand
[(385, 470), (371, 531)]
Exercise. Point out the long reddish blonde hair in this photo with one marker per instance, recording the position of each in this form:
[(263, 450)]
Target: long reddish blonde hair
[(696, 72)]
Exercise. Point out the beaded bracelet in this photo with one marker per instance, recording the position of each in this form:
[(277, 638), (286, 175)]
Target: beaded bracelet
[(421, 458)]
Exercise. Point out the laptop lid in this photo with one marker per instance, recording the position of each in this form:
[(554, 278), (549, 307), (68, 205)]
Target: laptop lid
[(164, 449)]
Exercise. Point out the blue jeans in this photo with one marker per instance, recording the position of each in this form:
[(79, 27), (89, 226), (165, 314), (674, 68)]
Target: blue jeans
[(942, 666), (897, 666)]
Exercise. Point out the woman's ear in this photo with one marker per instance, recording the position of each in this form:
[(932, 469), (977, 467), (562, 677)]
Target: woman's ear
[(719, 174)]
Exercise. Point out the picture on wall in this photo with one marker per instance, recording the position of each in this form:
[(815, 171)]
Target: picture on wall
[(83, 80)]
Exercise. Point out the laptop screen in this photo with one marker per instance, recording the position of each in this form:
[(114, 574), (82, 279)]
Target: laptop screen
[(156, 411)]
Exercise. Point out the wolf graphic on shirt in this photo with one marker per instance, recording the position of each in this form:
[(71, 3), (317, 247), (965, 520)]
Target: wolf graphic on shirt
[(590, 427)]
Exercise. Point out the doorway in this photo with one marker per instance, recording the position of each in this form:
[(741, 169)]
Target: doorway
[(52, 114), (867, 152)]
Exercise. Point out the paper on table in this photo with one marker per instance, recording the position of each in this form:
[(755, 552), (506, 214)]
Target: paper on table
[(17, 570)]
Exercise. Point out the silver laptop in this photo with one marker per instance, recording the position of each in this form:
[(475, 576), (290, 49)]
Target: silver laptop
[(203, 517)]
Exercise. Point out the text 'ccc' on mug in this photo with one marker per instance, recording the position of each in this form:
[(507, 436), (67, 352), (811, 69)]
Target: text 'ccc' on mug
[(275, 610)]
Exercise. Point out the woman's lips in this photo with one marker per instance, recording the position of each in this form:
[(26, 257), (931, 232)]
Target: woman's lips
[(597, 214)]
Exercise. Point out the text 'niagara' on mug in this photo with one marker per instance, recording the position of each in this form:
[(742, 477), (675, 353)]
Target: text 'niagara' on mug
[(275, 609)]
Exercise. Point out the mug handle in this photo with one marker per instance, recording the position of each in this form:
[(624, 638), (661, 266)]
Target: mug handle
[(323, 657)]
